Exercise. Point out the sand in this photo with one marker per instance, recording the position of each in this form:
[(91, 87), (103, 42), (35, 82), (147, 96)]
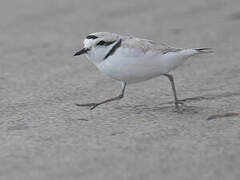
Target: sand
[(43, 135)]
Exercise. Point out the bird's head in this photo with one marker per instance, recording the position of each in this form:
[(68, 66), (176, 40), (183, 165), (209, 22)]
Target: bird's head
[(98, 46)]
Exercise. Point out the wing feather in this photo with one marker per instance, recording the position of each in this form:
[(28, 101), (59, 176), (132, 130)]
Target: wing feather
[(147, 45)]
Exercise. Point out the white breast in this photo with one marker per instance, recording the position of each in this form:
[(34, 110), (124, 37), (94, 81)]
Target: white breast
[(133, 65)]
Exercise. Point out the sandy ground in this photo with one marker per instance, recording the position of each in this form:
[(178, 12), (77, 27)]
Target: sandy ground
[(43, 135)]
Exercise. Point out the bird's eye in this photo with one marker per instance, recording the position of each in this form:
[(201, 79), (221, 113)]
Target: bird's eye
[(105, 43)]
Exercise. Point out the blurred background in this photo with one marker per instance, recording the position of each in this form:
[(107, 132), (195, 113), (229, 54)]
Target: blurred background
[(43, 135)]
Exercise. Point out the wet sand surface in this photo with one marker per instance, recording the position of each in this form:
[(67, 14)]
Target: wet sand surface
[(43, 135)]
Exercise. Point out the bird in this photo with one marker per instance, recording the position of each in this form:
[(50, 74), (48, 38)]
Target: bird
[(132, 60)]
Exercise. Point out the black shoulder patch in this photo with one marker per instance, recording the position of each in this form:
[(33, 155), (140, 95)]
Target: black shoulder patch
[(91, 37), (101, 43), (114, 48)]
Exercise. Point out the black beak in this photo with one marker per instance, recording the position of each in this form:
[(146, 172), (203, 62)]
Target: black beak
[(82, 51)]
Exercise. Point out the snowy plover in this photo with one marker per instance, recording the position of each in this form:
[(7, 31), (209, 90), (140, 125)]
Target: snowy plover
[(131, 60)]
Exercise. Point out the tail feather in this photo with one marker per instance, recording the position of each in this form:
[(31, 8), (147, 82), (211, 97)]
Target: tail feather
[(204, 50)]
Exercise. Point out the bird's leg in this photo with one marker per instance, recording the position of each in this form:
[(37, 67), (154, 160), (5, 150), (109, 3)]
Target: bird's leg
[(120, 96), (176, 101)]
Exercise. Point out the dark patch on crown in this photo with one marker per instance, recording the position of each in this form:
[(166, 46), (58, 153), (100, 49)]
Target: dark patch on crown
[(91, 37)]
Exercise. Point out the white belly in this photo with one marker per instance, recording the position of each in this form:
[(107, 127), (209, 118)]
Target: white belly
[(133, 67)]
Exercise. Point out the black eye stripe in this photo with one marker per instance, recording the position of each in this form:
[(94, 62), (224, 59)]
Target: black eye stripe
[(105, 43), (91, 37)]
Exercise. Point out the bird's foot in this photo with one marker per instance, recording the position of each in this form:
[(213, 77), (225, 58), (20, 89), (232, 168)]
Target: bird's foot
[(179, 106), (91, 105)]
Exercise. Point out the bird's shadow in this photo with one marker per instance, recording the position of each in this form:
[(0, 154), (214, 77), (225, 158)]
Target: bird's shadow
[(184, 109)]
